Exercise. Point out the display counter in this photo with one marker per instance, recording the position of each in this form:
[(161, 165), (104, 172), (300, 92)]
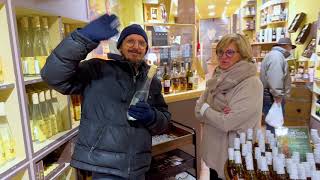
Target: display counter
[(181, 96)]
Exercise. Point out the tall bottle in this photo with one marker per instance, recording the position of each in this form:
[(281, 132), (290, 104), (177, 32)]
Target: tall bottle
[(175, 79), (9, 145), (76, 105), (166, 80), (189, 77), (45, 37), (269, 163), (40, 51), (274, 36), (46, 116), (231, 163), (143, 93), (281, 174), (53, 118), (265, 174), (239, 171), (183, 78), (27, 58), (37, 123), (57, 111), (250, 173)]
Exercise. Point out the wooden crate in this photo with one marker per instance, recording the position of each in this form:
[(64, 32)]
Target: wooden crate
[(297, 112)]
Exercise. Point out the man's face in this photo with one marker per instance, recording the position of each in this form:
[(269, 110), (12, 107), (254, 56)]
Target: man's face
[(133, 48)]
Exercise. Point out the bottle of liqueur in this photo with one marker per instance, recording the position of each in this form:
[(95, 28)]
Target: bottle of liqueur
[(56, 108), (53, 118), (250, 135), (8, 143), (27, 58), (269, 163), (37, 123), (231, 163), (46, 116), (40, 53), (274, 36), (239, 170), (45, 38), (189, 77), (166, 80), (265, 174), (143, 93), (183, 78), (281, 174), (250, 174), (175, 79)]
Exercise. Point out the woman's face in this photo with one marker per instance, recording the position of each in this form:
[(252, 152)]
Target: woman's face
[(228, 56)]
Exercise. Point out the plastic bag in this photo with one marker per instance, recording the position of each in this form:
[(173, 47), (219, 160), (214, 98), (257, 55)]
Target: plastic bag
[(275, 116)]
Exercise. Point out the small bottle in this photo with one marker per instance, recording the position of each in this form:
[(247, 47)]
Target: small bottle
[(195, 80), (250, 173), (231, 163), (175, 79), (257, 155), (189, 77), (265, 174), (236, 144), (262, 145), (294, 173), (183, 78), (301, 172), (239, 171), (250, 135), (242, 138), (244, 153), (46, 115), (53, 118), (281, 174), (249, 148), (269, 162), (166, 80)]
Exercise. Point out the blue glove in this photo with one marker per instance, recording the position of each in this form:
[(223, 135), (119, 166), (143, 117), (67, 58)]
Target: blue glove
[(142, 112), (101, 28)]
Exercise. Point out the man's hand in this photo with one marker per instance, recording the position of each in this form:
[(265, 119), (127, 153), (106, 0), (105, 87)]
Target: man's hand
[(102, 28), (142, 112), (226, 110), (277, 99)]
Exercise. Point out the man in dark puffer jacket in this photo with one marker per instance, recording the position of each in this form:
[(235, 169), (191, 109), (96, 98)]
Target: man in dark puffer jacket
[(108, 145)]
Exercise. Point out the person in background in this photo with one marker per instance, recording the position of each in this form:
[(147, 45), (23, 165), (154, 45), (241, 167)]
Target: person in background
[(108, 144), (275, 76), (231, 102)]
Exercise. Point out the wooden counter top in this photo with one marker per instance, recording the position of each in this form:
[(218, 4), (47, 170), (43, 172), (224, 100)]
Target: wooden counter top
[(175, 97)]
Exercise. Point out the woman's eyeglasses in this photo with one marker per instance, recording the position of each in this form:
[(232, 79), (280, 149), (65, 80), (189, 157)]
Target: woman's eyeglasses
[(131, 43), (229, 53)]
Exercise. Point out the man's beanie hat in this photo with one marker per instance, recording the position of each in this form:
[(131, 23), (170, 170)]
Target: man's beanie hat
[(132, 29)]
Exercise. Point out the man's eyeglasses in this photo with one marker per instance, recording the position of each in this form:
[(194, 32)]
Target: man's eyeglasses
[(131, 43), (229, 53)]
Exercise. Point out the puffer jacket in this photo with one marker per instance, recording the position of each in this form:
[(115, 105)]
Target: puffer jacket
[(107, 142), (274, 73)]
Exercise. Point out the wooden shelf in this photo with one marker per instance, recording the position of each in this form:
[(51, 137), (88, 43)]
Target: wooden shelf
[(263, 43), (10, 166), (5, 86), (181, 96), (61, 171), (272, 3), (32, 80), (273, 23), (42, 149)]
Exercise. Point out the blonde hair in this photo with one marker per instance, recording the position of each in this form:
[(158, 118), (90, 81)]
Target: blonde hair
[(242, 43)]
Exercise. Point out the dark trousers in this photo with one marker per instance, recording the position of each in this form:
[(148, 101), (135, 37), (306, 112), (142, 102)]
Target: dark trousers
[(101, 176), (267, 103), (214, 175)]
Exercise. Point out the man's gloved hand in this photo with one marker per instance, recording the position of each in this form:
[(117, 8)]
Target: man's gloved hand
[(101, 28), (142, 112)]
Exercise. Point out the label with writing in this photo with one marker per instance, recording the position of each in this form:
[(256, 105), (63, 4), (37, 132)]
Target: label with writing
[(167, 83)]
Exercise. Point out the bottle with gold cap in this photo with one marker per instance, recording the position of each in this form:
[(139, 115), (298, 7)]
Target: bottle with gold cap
[(143, 93), (27, 58), (40, 51)]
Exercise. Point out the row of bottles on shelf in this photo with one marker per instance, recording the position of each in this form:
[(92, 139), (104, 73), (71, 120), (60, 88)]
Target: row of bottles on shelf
[(249, 11), (262, 159), (274, 14), (34, 44), (7, 142), (271, 34), (178, 81), (250, 25), (45, 114), (302, 73)]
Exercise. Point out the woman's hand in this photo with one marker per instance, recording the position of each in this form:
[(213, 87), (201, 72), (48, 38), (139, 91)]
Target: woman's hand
[(226, 110)]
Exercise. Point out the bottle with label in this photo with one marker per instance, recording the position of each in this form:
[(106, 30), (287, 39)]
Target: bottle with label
[(143, 93), (37, 123), (46, 116), (57, 111), (257, 155), (53, 118), (45, 36), (8, 143), (239, 170), (265, 174), (274, 36), (250, 135), (166, 80), (189, 77), (269, 163), (281, 174), (195, 80), (40, 51), (250, 174), (175, 79), (183, 78), (27, 57), (1, 71), (294, 172), (231, 164)]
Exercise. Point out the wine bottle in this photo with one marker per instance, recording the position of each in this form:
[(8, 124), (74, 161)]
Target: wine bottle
[(274, 37), (53, 118), (265, 174), (250, 134), (269, 163), (250, 173), (40, 50), (175, 79), (281, 174), (45, 36), (57, 111), (189, 77), (37, 123), (45, 114), (239, 171), (27, 58), (231, 163), (143, 93), (8, 143), (183, 78), (166, 80)]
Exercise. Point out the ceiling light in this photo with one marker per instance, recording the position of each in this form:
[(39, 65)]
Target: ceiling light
[(211, 14), (212, 6)]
